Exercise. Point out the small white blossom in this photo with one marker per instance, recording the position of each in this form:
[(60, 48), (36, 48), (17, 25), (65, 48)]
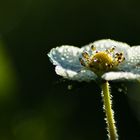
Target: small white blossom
[(106, 59)]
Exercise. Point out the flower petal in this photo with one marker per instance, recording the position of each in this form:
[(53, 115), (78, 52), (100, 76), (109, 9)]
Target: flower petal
[(66, 57), (83, 75), (121, 76), (108, 43), (133, 60)]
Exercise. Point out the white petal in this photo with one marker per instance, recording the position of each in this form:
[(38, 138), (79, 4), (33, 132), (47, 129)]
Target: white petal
[(133, 60), (108, 43), (110, 76), (66, 57), (83, 75)]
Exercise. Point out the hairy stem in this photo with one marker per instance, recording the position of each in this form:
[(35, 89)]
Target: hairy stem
[(112, 131)]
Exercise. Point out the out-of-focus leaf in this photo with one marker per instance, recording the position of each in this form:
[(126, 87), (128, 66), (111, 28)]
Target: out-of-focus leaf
[(7, 74)]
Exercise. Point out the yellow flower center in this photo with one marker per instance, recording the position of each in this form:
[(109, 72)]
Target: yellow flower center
[(103, 61)]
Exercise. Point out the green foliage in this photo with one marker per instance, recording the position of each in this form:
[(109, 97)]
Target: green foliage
[(7, 75)]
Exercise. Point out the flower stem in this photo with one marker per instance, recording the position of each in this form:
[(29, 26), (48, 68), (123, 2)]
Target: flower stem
[(112, 131)]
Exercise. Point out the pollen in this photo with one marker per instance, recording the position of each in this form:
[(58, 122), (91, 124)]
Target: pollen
[(102, 61)]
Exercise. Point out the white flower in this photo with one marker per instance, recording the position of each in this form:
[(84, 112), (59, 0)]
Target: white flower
[(106, 59)]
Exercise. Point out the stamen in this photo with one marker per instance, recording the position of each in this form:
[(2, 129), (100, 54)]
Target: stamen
[(113, 48), (102, 61), (82, 62), (93, 48), (110, 50), (121, 54), (85, 55), (119, 57)]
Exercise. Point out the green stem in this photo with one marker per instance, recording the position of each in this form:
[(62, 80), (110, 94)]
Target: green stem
[(112, 131)]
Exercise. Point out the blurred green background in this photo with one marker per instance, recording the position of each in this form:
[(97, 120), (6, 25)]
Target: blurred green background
[(35, 103)]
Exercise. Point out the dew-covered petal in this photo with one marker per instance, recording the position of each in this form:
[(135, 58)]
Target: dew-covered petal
[(121, 76), (83, 75), (107, 44), (66, 59), (133, 60), (66, 56)]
